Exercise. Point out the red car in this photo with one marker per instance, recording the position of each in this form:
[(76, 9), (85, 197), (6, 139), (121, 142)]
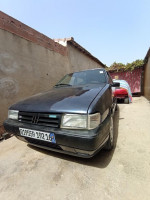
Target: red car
[(123, 92)]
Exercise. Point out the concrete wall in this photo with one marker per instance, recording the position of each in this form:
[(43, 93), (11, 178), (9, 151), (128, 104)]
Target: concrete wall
[(79, 60), (25, 69), (147, 80)]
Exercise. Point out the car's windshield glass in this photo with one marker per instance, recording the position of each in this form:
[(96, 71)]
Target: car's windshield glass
[(83, 78)]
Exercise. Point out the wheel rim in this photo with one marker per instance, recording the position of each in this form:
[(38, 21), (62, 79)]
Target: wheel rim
[(111, 130)]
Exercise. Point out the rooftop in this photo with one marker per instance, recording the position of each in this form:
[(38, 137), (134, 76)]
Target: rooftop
[(72, 42)]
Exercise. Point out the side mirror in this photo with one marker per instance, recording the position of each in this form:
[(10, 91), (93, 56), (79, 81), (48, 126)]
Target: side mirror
[(115, 84)]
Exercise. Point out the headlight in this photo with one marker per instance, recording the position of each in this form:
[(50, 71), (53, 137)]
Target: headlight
[(74, 121), (77, 121), (13, 114)]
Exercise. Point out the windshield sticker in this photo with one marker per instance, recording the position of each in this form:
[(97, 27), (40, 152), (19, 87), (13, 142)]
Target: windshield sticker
[(101, 72)]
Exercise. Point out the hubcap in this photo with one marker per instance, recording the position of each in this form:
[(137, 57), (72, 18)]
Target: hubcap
[(111, 130)]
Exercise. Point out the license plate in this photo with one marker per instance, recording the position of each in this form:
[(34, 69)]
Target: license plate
[(39, 135)]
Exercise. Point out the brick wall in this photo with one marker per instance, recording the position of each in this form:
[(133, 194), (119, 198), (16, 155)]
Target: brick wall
[(14, 26), (30, 62)]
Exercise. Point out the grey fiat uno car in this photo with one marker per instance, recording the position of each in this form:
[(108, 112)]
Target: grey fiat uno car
[(75, 117)]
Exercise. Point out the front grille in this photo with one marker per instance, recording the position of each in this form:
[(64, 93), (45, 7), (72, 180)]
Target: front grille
[(42, 119)]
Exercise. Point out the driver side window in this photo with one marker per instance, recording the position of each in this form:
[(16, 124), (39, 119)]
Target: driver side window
[(109, 79)]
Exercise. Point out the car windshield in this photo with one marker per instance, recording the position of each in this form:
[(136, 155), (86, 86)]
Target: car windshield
[(83, 78)]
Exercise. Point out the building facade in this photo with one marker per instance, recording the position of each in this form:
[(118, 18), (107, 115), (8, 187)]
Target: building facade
[(147, 76), (134, 78)]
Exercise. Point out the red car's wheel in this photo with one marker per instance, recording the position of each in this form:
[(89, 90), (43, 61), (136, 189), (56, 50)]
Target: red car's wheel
[(126, 100)]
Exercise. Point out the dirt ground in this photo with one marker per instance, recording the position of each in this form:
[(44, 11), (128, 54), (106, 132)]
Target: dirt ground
[(30, 173)]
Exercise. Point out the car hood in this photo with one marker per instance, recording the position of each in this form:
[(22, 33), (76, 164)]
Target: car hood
[(60, 100)]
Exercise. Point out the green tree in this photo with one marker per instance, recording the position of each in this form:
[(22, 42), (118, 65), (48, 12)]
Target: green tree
[(127, 67)]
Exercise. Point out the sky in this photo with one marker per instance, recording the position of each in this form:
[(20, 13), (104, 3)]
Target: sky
[(111, 30)]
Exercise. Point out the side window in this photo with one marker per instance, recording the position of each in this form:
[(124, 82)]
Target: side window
[(109, 79)]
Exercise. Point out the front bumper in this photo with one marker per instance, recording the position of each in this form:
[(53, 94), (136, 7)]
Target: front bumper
[(81, 143)]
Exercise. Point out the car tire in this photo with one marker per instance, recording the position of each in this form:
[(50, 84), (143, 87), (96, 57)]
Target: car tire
[(116, 108), (110, 143), (126, 100)]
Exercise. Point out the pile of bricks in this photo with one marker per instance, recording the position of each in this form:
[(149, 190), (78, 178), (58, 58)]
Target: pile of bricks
[(3, 134), (2, 131)]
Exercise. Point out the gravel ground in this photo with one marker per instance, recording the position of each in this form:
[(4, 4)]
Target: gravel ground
[(31, 173)]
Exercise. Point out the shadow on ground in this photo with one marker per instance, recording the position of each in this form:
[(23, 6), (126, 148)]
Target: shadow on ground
[(101, 160)]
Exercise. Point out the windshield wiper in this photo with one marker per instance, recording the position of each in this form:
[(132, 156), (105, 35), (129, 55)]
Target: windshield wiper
[(62, 84)]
